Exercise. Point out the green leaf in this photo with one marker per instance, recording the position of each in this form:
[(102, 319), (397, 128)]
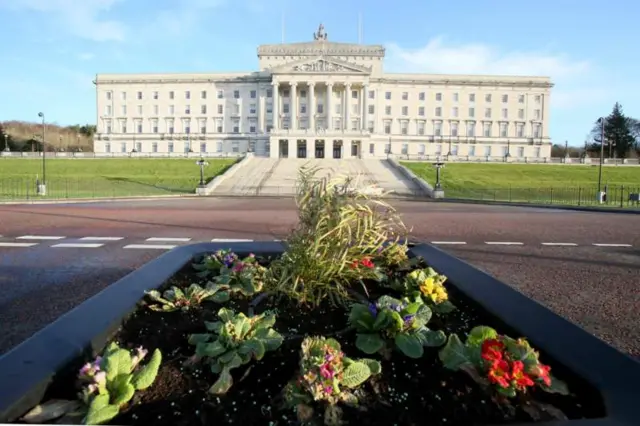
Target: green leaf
[(355, 374), (454, 354), (225, 315), (387, 302), (360, 312), (145, 376), (266, 321), (383, 320), (423, 315), (211, 350), (369, 343), (374, 366), (241, 326), (479, 334), (254, 347), (196, 339), (412, 308), (223, 384), (431, 338), (214, 326), (270, 338), (216, 367), (397, 322), (51, 410), (220, 297), (123, 394), (409, 345), (118, 362), (100, 411), (443, 307), (557, 386), (227, 357), (118, 383), (235, 362)]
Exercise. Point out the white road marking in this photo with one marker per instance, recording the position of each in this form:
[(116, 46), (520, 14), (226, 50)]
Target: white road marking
[(168, 239), (612, 245), (504, 243), (39, 237), (448, 242), (77, 245), (229, 240), (101, 238), (150, 246), (18, 244), (560, 244)]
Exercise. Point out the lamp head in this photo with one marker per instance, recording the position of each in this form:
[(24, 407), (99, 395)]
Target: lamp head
[(41, 114)]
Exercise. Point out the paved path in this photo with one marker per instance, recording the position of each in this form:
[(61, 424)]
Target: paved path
[(583, 265)]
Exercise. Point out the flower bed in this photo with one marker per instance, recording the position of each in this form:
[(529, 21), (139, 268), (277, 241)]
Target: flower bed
[(345, 327)]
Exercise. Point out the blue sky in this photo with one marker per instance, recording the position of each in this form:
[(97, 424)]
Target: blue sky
[(52, 49)]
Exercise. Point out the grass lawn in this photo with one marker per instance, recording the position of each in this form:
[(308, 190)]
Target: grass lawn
[(530, 182), (93, 178)]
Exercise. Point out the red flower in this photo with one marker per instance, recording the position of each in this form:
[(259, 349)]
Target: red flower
[(492, 350), (541, 372), (367, 263), (354, 264), (520, 379), (499, 373)]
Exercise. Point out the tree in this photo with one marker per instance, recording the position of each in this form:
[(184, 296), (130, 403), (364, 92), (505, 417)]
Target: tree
[(618, 133)]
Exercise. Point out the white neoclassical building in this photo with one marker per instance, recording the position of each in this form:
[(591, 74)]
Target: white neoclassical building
[(323, 99)]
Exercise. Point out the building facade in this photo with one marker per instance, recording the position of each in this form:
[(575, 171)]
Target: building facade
[(322, 99)]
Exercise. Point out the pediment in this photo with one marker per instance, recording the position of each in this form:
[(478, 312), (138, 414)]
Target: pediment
[(321, 65)]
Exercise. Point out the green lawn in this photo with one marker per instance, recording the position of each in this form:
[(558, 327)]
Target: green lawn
[(530, 182), (94, 178)]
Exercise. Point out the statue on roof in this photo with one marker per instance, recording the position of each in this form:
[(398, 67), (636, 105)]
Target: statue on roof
[(320, 34)]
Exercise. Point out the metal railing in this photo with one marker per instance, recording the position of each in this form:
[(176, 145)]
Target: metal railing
[(618, 196), (290, 191), (59, 188)]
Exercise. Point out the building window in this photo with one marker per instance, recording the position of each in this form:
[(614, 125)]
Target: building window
[(220, 109), (138, 147), (139, 129), (172, 109), (372, 94), (438, 111), (421, 111), (438, 96), (252, 128), (404, 127), (521, 114), (236, 94), (123, 96), (421, 96), (487, 130), (285, 108), (187, 129), (156, 110), (387, 127), (505, 99), (487, 113), (454, 129), (108, 95), (219, 146), (107, 147), (203, 147), (538, 99), (472, 112), (387, 96), (107, 110), (203, 128), (372, 109), (235, 146), (405, 96), (472, 97), (520, 151), (139, 109), (387, 110), (421, 128), (471, 129), (171, 129), (536, 114), (455, 97), (370, 126), (520, 99), (354, 94), (253, 94), (537, 131), (320, 109), (219, 127), (421, 149), (124, 110), (123, 128), (252, 108), (454, 150), (269, 93), (437, 129), (285, 93), (170, 146), (503, 130), (438, 149), (154, 126), (203, 94), (505, 113), (109, 128), (472, 151), (405, 110), (187, 95), (203, 109), (154, 147), (487, 98), (387, 148), (372, 148), (236, 127), (139, 95), (454, 111), (487, 151), (303, 93), (187, 109), (520, 130), (172, 95), (220, 94), (405, 148)]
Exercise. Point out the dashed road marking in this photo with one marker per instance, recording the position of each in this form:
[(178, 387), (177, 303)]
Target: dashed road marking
[(40, 237), (449, 242), (560, 244), (611, 245), (77, 245), (160, 239), (101, 238), (504, 243), (150, 246), (230, 240), (2, 244)]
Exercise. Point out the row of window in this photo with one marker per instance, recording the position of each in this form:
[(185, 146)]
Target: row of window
[(355, 94), (338, 109), (339, 124), (486, 150)]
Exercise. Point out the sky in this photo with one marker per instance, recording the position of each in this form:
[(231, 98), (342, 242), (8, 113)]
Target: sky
[(51, 50)]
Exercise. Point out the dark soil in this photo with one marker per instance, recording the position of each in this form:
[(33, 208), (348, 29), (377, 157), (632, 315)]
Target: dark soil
[(408, 392)]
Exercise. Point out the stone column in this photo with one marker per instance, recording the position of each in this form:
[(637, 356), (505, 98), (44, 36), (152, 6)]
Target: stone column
[(329, 106), (275, 111), (261, 112), (363, 115), (312, 107), (293, 107), (347, 104)]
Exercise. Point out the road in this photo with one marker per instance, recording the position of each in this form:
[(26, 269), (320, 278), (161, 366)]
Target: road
[(583, 265)]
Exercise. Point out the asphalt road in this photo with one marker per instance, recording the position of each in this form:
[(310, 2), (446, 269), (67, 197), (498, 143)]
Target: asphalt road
[(583, 265)]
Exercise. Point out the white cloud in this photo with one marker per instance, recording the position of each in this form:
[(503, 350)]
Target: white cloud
[(80, 18), (475, 58)]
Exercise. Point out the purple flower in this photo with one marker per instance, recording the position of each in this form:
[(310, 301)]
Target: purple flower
[(373, 309), (228, 260), (408, 319)]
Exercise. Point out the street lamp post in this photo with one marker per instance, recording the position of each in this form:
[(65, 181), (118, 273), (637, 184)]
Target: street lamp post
[(42, 187), (508, 154), (6, 143), (602, 122), (438, 165), (202, 165)]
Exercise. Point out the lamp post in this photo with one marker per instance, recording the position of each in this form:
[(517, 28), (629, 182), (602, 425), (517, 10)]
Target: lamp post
[(42, 187), (508, 154), (602, 122), (438, 165), (6, 143), (202, 164)]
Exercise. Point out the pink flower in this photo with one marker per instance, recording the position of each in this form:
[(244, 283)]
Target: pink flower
[(239, 266), (86, 369), (326, 371), (100, 378), (328, 389)]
